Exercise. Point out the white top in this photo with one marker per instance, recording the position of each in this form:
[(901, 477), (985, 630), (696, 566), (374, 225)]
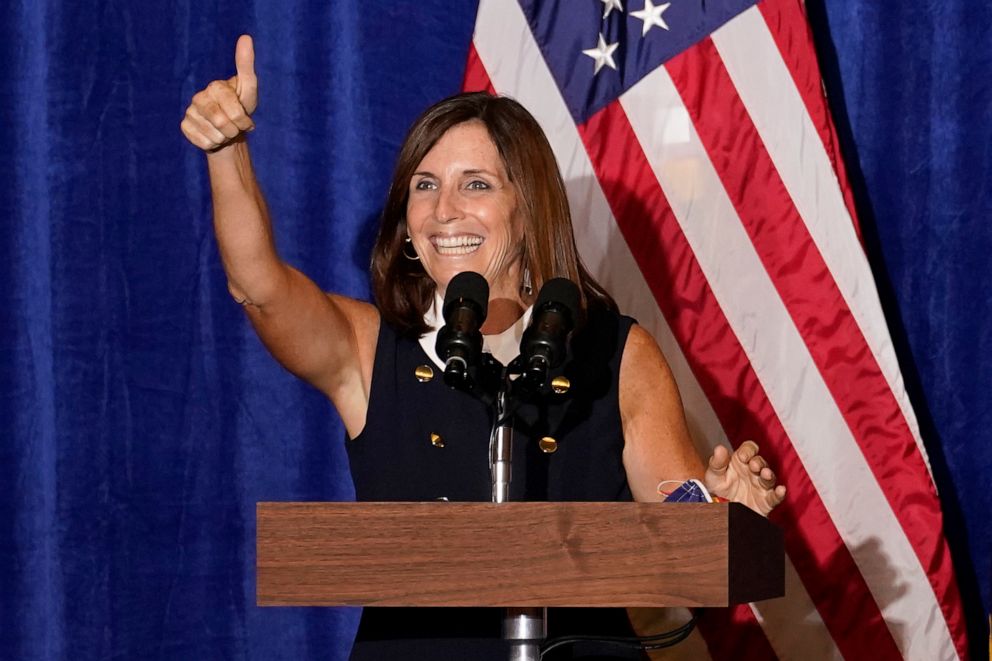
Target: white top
[(503, 346)]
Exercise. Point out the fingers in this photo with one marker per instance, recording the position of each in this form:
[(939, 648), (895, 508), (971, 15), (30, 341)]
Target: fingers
[(766, 476), (748, 455), (773, 499), (213, 122), (247, 81), (751, 481), (201, 132), (230, 106), (221, 111), (215, 116), (746, 451), (719, 460)]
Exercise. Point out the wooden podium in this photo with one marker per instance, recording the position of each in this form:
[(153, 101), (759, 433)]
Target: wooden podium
[(516, 554)]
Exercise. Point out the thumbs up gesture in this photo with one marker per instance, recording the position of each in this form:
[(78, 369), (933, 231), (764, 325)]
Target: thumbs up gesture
[(222, 110)]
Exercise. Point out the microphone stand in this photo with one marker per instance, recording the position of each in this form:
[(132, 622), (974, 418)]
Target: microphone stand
[(501, 450), (524, 628)]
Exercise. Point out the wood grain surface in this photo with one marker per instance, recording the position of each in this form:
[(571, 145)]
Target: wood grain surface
[(515, 554)]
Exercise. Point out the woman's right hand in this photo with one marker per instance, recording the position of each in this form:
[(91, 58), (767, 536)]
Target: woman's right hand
[(221, 111)]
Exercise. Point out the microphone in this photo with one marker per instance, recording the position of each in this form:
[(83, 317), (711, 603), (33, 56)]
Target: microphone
[(542, 347), (459, 342)]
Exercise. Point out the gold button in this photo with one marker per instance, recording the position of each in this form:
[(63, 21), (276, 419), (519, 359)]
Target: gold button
[(548, 445), (424, 373), (436, 440), (560, 385)]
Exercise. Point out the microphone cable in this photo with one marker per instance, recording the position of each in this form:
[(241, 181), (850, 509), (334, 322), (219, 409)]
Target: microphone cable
[(653, 642)]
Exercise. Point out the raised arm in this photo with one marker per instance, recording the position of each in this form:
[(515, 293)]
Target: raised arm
[(656, 440), (327, 340)]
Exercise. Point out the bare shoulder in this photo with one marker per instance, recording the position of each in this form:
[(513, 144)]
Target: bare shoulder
[(640, 342), (645, 379), (642, 363)]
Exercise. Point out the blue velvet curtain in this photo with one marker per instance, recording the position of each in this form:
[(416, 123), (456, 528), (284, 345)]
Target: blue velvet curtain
[(140, 420)]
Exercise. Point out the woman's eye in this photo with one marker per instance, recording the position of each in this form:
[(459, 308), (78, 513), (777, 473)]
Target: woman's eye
[(478, 185), (424, 184)]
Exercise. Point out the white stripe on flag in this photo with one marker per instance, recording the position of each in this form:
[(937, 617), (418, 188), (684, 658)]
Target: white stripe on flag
[(782, 362), (765, 85), (793, 625)]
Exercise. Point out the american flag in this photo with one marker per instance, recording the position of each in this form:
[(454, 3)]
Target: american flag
[(710, 198)]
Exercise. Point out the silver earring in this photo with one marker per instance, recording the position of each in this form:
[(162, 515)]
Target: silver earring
[(527, 286), (409, 244)]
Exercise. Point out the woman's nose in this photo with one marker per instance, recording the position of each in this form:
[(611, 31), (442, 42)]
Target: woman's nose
[(448, 207)]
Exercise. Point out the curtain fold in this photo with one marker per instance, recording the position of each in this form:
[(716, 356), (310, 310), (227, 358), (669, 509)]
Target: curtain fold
[(31, 583)]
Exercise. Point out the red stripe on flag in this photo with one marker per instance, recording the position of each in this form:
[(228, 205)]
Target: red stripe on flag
[(786, 20), (733, 634), (476, 77), (721, 366), (817, 307)]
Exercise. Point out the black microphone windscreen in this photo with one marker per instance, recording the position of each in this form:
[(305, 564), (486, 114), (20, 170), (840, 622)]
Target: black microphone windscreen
[(470, 286), (559, 290)]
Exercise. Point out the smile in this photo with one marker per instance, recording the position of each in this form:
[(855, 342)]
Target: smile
[(456, 245)]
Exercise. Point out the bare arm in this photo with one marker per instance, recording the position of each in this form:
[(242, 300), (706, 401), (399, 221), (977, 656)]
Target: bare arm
[(657, 445), (326, 340)]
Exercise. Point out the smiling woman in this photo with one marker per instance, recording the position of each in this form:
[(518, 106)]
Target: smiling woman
[(476, 188), (462, 215), (487, 159)]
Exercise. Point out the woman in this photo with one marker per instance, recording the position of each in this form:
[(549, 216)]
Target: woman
[(476, 188)]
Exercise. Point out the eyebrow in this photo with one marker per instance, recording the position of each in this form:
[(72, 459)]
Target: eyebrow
[(425, 173)]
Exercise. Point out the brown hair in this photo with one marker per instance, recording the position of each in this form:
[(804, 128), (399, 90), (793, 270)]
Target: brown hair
[(402, 289)]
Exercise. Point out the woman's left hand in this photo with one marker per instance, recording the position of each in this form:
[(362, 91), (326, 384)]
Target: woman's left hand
[(744, 477)]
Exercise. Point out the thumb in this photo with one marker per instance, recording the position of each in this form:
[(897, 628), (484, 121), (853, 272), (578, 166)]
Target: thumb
[(244, 60), (719, 461)]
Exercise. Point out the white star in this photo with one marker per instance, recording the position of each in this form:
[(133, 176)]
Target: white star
[(610, 5), (603, 54), (651, 16)]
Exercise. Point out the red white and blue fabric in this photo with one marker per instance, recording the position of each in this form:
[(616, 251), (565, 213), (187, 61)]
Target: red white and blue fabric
[(710, 199)]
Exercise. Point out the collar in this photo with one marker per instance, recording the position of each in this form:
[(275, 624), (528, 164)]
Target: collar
[(504, 346)]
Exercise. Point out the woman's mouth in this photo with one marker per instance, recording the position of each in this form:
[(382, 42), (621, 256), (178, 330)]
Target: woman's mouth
[(463, 244)]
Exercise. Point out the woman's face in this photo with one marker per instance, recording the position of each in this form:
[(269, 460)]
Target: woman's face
[(463, 213)]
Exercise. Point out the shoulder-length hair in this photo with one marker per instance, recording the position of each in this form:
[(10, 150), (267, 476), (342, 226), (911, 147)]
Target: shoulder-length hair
[(402, 289)]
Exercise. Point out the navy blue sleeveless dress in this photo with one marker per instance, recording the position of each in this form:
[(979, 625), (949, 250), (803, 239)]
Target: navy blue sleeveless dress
[(424, 441)]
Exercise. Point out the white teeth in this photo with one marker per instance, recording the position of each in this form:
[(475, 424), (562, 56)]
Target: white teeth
[(460, 250), (457, 245), (456, 241)]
